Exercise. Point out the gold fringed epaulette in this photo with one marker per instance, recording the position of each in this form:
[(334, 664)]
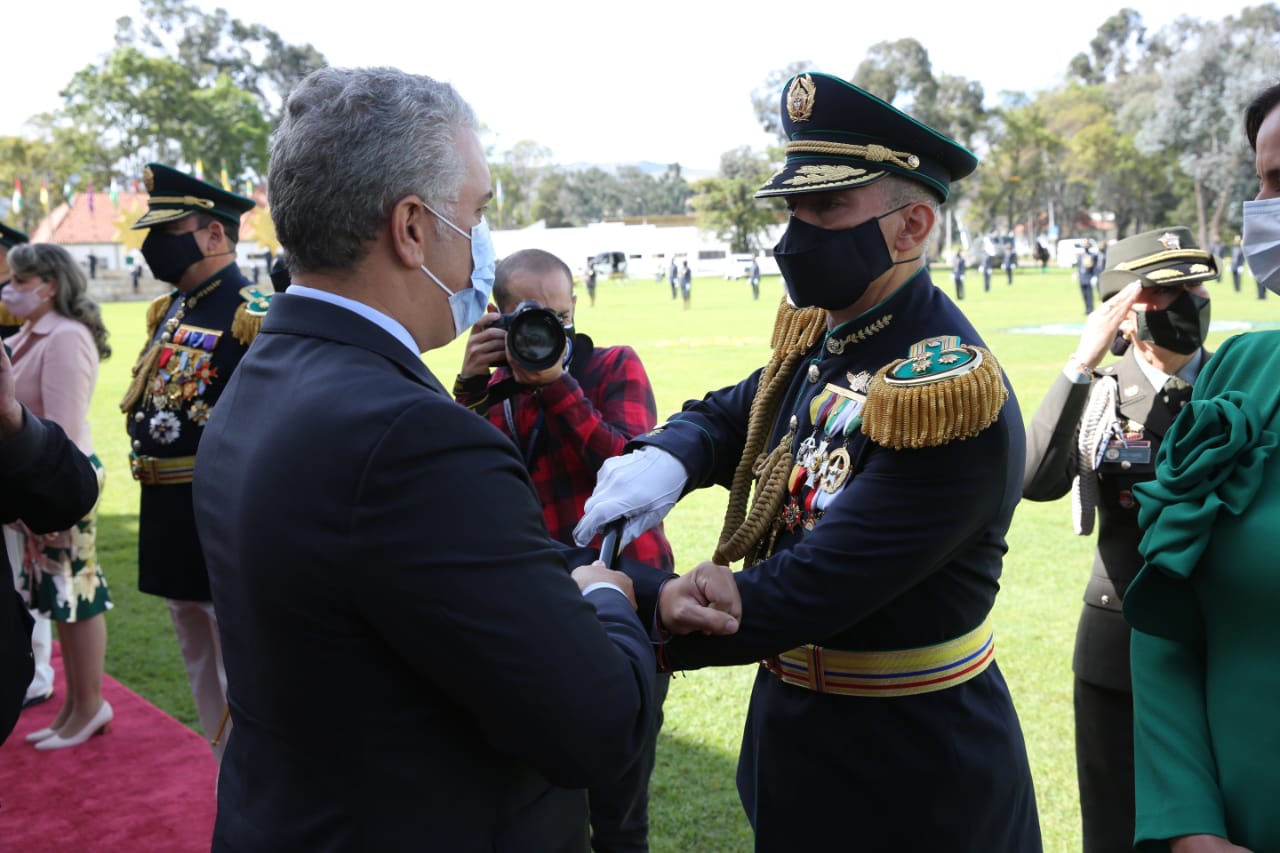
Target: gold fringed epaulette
[(249, 316), (142, 372), (943, 391), (150, 354), (156, 312), (8, 318)]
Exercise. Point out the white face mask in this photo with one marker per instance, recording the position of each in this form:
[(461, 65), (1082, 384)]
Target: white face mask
[(1261, 241)]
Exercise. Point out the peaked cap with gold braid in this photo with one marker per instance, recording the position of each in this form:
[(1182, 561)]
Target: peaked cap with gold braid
[(840, 136)]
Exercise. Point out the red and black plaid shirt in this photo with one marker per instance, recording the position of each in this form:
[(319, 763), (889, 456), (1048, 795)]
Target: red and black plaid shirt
[(567, 429)]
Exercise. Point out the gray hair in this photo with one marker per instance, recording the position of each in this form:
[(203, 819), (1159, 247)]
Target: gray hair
[(351, 144), (898, 191), (54, 265)]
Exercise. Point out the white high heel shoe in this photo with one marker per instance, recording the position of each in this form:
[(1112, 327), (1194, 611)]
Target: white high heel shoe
[(99, 725), (41, 734)]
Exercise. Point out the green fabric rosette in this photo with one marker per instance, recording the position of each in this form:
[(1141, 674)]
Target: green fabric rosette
[(1211, 459)]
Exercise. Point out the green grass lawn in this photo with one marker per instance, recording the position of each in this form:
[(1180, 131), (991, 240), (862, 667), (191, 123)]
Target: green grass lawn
[(720, 340)]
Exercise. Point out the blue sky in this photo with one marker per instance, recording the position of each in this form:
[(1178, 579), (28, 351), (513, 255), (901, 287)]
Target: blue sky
[(601, 82)]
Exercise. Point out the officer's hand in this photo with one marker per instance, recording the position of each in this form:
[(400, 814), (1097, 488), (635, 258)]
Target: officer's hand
[(704, 600), (1101, 326), (535, 378), (641, 487), (598, 572), (486, 347), (10, 410)]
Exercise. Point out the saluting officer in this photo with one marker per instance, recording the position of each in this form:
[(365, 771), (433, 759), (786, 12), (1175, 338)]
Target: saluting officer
[(886, 451), (1097, 433), (9, 323), (196, 335)]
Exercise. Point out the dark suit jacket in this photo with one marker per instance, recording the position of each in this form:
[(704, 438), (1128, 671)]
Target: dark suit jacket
[(410, 666), (1102, 636), (50, 485)]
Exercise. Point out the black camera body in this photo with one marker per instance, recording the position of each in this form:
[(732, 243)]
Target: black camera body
[(535, 336)]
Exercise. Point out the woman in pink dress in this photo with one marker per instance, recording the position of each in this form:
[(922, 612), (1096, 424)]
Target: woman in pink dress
[(55, 362)]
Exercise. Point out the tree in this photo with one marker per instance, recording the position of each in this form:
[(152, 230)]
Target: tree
[(1196, 115), (209, 45), (1116, 48), (726, 204)]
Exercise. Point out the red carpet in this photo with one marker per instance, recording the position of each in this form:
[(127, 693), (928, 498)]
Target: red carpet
[(147, 785)]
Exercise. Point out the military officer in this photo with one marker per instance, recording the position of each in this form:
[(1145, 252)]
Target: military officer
[(1096, 433), (196, 335), (885, 448), (9, 237)]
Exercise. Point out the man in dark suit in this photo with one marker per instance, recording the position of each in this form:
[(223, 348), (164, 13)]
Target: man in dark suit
[(1097, 432), (196, 335), (409, 663), (50, 485)]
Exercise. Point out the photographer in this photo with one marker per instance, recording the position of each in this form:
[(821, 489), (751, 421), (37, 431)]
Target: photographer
[(566, 419)]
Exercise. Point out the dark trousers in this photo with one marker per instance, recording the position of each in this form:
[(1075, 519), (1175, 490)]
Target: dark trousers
[(959, 287), (1086, 291), (1104, 767), (620, 811), (986, 280)]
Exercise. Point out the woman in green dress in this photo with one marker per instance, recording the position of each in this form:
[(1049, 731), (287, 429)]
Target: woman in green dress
[(1205, 647)]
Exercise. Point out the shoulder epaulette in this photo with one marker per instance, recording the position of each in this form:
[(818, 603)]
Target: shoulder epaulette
[(942, 391), (150, 355), (250, 313), (156, 312)]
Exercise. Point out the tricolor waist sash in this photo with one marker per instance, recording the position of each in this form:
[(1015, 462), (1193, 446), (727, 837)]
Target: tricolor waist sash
[(158, 471), (905, 672)]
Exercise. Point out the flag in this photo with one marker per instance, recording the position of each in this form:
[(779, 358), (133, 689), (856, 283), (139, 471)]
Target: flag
[(199, 170), (44, 194), (226, 184), (498, 193), (17, 195), (115, 193), (91, 197), (135, 185), (248, 187), (66, 193)]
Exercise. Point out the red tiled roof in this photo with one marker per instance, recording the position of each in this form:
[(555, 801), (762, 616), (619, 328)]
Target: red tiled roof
[(106, 222)]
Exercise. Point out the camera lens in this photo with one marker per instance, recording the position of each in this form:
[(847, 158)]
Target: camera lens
[(536, 338)]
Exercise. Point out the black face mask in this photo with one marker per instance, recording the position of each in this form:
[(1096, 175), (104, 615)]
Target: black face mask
[(832, 268), (169, 255), (1180, 328)]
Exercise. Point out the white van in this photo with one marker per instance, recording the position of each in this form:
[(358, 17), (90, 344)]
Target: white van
[(1069, 251)]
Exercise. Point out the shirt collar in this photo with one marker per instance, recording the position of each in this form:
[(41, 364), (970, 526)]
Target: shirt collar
[(373, 315)]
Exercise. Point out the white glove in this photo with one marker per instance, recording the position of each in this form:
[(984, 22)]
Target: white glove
[(641, 487)]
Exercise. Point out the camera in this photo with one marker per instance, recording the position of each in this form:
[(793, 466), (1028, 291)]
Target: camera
[(535, 336)]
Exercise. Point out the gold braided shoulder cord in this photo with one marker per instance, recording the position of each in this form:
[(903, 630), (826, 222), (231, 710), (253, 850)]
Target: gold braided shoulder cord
[(795, 332), (150, 355)]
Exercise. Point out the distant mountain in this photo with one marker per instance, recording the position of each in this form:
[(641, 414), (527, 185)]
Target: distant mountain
[(646, 166)]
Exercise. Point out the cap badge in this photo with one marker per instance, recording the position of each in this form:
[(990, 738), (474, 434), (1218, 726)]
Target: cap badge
[(1170, 241), (800, 98), (824, 174), (149, 179)]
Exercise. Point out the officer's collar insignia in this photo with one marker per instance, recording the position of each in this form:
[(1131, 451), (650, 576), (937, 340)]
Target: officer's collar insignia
[(944, 390), (800, 98), (148, 179), (1170, 241), (1132, 391), (858, 382)]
